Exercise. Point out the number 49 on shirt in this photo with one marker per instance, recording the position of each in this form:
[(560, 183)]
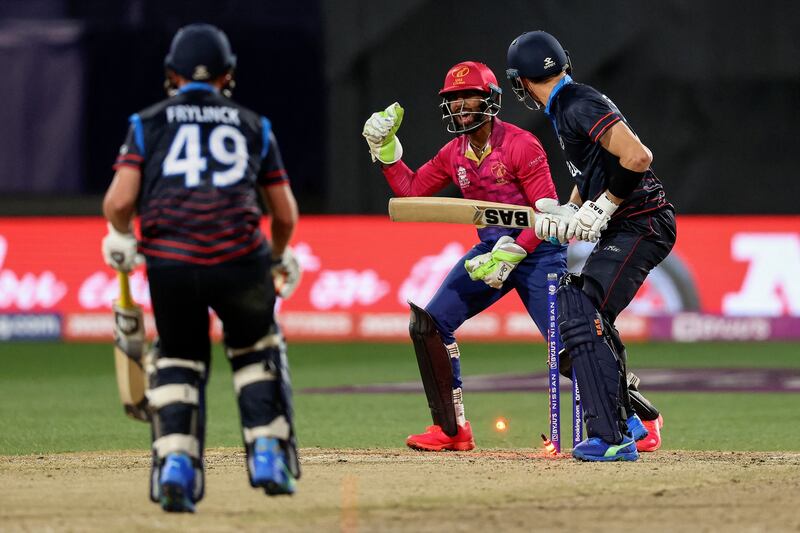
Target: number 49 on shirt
[(185, 155)]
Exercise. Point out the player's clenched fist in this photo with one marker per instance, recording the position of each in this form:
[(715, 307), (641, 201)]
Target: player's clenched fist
[(592, 218), (552, 220), (380, 132), (120, 250), (494, 267)]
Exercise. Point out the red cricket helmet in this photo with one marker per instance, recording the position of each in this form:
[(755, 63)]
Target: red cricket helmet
[(470, 76)]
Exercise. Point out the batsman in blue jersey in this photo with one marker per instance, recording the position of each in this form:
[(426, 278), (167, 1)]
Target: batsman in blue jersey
[(192, 167), (617, 203)]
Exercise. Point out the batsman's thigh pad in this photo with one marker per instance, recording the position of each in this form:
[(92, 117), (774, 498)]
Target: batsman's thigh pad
[(264, 393), (434, 368), (176, 399), (594, 361)]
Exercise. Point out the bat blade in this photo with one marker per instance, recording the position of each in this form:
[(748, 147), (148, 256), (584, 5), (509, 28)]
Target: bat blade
[(129, 345), (461, 211)]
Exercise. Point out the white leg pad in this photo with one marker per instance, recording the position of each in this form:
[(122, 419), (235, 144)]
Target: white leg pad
[(177, 443), (278, 428), (251, 374), (267, 341), (176, 393), (167, 362)]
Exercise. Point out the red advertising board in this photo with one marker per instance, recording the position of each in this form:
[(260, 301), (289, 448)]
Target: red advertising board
[(360, 270)]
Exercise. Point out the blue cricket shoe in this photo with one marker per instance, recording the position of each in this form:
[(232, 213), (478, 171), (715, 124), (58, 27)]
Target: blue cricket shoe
[(636, 428), (269, 469), (176, 484), (596, 449)]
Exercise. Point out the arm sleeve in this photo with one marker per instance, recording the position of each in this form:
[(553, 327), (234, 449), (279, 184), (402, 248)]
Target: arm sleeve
[(131, 153), (272, 171), (430, 178), (533, 173)]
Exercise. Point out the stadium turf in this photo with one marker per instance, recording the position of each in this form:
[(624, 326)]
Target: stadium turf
[(62, 397)]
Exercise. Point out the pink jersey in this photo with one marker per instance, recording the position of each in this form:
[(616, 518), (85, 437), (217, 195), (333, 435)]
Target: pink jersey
[(512, 170)]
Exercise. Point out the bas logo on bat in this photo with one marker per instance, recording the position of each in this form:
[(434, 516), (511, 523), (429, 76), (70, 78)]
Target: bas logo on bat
[(126, 322), (506, 216)]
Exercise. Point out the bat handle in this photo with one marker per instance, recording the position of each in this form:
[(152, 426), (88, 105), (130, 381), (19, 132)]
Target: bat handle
[(125, 299)]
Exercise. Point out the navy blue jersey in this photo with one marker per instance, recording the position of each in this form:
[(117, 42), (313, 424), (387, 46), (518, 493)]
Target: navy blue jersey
[(581, 115), (202, 158)]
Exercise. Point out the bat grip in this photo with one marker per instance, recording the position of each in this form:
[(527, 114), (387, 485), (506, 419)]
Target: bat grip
[(125, 300)]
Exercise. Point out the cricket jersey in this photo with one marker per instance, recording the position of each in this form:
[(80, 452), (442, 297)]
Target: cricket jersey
[(202, 159), (513, 169), (581, 116)]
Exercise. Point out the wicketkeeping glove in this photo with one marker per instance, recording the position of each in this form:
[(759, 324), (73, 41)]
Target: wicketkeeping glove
[(494, 267), (380, 130), (120, 250), (552, 221), (286, 273), (591, 219)]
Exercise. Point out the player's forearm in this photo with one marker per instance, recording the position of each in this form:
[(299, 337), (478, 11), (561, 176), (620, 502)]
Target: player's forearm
[(405, 182), (575, 196)]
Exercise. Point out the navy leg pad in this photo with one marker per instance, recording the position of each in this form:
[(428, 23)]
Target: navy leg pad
[(596, 365)]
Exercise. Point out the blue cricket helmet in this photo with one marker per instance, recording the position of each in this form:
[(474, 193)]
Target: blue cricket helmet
[(200, 52)]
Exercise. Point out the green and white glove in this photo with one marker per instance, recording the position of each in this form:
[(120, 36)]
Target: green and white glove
[(494, 267), (380, 130)]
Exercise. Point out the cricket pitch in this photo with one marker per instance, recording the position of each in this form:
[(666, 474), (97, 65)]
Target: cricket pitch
[(402, 490)]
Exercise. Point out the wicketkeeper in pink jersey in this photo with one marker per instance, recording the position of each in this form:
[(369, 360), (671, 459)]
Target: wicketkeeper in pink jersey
[(488, 160)]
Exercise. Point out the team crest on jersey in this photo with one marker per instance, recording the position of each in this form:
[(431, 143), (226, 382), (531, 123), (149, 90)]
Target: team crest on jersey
[(549, 63), (499, 171), (463, 180)]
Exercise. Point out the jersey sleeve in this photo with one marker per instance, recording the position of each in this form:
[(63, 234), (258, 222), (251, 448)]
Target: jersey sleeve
[(430, 178), (592, 115), (533, 172), (272, 171), (131, 153)]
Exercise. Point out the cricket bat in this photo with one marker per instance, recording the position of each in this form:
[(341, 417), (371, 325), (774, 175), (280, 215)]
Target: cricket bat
[(129, 343), (460, 211)]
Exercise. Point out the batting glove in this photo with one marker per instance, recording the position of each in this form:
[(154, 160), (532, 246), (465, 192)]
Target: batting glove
[(380, 130), (120, 250), (286, 273), (494, 267), (553, 222), (591, 219)]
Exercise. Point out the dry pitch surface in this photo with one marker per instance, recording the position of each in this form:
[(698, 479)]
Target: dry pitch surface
[(402, 490)]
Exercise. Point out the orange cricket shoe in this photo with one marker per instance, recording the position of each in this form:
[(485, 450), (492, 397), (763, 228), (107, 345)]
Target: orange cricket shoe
[(652, 441), (436, 440)]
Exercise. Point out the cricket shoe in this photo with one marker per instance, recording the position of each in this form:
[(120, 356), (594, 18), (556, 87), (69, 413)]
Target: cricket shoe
[(636, 428), (269, 468), (436, 440), (176, 484), (653, 440), (596, 449)]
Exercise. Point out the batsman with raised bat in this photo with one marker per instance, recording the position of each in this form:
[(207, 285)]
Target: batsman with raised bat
[(488, 160), (618, 203), (192, 167)]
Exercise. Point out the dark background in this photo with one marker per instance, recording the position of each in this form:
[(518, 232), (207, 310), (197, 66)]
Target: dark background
[(713, 88)]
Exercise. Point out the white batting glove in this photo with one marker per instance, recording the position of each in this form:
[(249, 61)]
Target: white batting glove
[(120, 250), (286, 273), (553, 223), (494, 267), (380, 132), (592, 218)]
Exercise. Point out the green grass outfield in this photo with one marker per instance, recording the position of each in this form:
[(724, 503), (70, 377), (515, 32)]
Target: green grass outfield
[(57, 397)]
